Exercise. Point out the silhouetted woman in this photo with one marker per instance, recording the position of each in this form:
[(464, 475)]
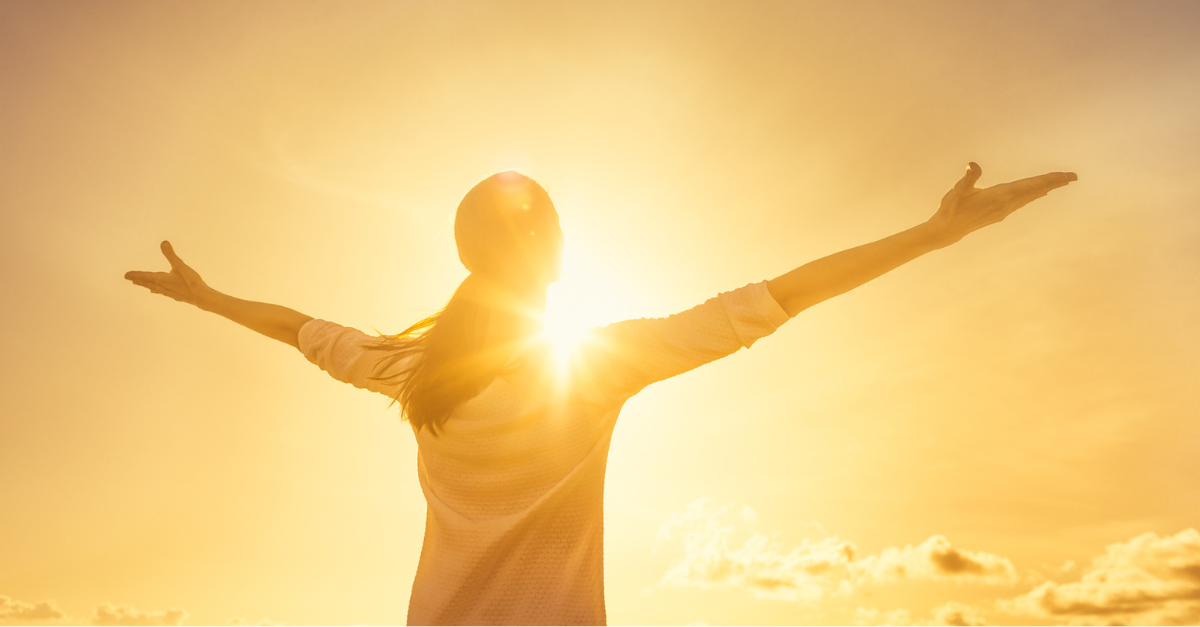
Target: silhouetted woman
[(512, 447)]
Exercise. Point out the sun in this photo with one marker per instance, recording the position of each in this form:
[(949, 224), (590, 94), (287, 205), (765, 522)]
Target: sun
[(587, 295), (566, 323), (581, 300)]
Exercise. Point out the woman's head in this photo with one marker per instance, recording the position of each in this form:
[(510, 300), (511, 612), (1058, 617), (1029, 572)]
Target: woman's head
[(509, 238), (507, 231)]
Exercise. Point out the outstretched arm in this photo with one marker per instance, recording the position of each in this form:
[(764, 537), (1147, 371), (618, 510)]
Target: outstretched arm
[(964, 209), (185, 285)]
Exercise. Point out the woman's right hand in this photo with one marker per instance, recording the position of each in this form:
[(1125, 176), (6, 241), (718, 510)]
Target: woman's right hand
[(182, 283), (966, 208)]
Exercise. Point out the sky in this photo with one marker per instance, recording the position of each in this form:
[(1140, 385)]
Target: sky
[(1003, 431)]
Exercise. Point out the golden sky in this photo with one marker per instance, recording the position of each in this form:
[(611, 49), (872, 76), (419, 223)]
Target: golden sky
[(987, 434)]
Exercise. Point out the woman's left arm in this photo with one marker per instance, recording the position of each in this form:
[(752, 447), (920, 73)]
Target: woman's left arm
[(184, 284), (964, 209)]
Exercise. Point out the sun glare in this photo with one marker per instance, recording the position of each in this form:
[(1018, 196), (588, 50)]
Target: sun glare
[(576, 303), (565, 324)]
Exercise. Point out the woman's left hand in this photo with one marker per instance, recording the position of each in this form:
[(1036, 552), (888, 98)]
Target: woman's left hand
[(182, 283)]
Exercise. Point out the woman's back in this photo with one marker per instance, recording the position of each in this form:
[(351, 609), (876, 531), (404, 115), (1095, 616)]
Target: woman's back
[(514, 480), (513, 443), (515, 489)]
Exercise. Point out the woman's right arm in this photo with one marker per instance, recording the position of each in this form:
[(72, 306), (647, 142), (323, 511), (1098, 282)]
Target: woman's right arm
[(963, 210), (624, 357), (184, 284)]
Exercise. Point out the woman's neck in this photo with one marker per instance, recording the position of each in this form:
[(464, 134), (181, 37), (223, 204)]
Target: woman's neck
[(522, 314)]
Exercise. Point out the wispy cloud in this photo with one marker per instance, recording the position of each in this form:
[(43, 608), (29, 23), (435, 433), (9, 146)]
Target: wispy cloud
[(951, 613), (238, 620), (17, 612), (876, 616), (14, 612), (806, 572), (1146, 580), (936, 559), (957, 614), (109, 614), (761, 565)]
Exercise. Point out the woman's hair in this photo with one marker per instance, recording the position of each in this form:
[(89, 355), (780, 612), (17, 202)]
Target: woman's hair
[(507, 234)]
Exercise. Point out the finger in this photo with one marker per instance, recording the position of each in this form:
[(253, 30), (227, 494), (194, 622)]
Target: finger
[(159, 288), (157, 282), (1050, 181), (970, 177), (1020, 200), (1036, 184), (153, 287), (150, 285), (1038, 187), (1062, 179), (145, 276), (176, 262)]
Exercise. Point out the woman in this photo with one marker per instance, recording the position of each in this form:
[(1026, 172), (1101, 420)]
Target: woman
[(512, 447)]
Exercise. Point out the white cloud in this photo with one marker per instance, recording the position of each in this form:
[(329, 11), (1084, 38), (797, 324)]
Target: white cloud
[(266, 622), (937, 559), (949, 614), (1146, 580), (13, 612), (760, 564), (712, 558), (957, 614), (17, 612), (875, 616), (109, 614)]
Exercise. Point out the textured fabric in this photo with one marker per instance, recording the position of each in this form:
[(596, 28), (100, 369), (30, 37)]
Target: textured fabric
[(514, 530)]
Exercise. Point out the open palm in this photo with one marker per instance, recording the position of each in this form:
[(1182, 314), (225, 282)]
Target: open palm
[(966, 208), (182, 283)]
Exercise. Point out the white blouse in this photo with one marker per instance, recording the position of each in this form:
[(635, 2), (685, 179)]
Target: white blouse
[(514, 482)]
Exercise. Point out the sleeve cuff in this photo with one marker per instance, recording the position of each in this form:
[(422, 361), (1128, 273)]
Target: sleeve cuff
[(753, 312), (304, 335)]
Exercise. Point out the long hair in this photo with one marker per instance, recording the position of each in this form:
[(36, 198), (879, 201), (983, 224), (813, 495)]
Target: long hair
[(507, 235)]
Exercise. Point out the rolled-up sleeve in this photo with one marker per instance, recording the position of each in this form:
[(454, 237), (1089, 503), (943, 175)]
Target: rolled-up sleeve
[(342, 352), (620, 359), (753, 312)]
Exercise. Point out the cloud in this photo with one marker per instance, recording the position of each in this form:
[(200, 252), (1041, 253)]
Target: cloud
[(109, 614), (949, 614), (875, 616), (1146, 580), (810, 570), (238, 620), (935, 559), (13, 611), (20, 613), (957, 614), (760, 565)]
